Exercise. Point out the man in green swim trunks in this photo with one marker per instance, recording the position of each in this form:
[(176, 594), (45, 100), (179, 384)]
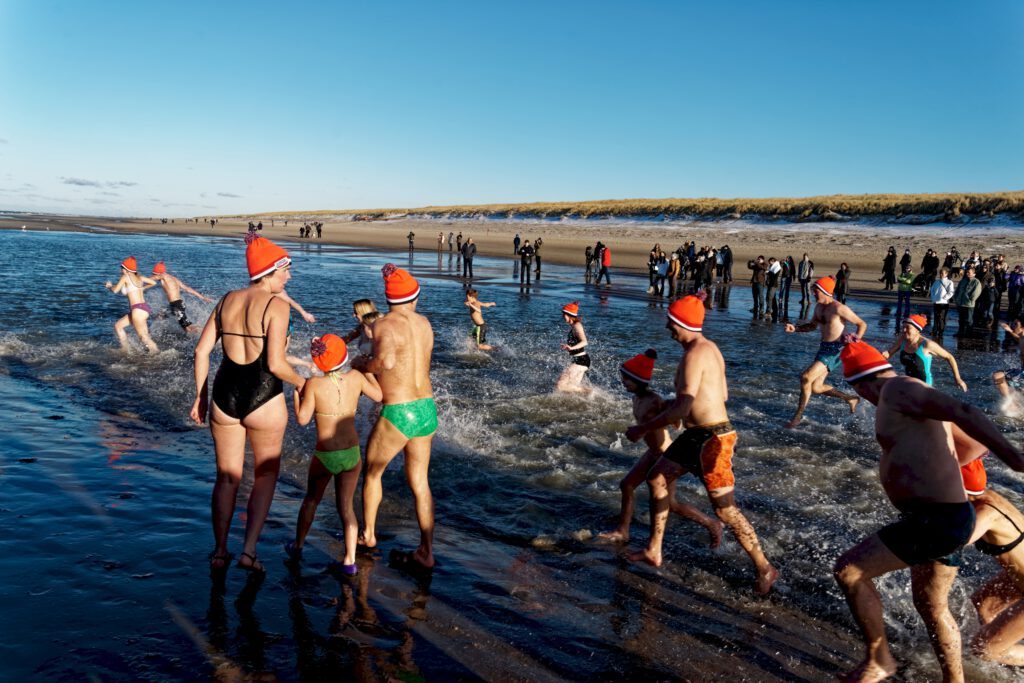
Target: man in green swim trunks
[(402, 345)]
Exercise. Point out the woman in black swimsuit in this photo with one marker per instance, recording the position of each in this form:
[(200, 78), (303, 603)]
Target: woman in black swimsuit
[(248, 398), (999, 532), (576, 345)]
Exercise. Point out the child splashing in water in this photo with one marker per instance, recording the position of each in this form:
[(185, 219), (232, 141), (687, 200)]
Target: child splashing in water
[(479, 332), (333, 399), (636, 376)]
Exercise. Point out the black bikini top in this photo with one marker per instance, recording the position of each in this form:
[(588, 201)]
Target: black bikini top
[(996, 550)]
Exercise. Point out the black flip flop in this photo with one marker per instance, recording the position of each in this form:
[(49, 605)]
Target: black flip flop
[(251, 567)]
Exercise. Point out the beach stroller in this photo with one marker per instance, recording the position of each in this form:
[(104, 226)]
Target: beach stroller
[(920, 285)]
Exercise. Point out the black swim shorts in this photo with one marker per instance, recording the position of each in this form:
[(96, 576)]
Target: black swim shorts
[(930, 532), (178, 309)]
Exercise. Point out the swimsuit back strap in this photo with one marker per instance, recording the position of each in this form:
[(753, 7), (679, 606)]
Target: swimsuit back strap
[(263, 319), (1008, 519)]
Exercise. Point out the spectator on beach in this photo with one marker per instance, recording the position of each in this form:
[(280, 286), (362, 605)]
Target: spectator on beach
[(674, 271), (771, 288), (468, 252), (905, 288), (842, 283), (889, 269), (999, 272), (605, 259), (964, 298), (905, 260), (652, 267), (1014, 284), (451, 242), (319, 230), (537, 244), (411, 236), (757, 278), (804, 274), (516, 241), (941, 293), (930, 267), (985, 310), (525, 262), (458, 243), (440, 241), (786, 283), (588, 254), (726, 264), (661, 274)]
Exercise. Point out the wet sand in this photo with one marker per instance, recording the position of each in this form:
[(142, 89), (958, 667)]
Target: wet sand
[(861, 245)]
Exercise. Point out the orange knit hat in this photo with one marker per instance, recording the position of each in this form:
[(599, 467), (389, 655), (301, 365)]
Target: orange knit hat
[(827, 285), (918, 321), (688, 312), (329, 352), (975, 477), (160, 268), (263, 256), (399, 286), (861, 359), (130, 264), (640, 367), (572, 310)]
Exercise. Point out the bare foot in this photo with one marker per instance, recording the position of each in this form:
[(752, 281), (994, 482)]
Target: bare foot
[(715, 531), (617, 536), (870, 671), (853, 404), (766, 580), (364, 542), (645, 555), (794, 422)]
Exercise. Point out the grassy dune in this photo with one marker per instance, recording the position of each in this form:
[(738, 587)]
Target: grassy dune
[(931, 207)]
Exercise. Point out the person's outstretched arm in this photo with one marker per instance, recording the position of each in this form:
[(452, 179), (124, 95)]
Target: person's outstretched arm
[(308, 317)]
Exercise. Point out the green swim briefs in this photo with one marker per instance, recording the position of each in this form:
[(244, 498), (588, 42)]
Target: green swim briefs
[(413, 419), (337, 462)]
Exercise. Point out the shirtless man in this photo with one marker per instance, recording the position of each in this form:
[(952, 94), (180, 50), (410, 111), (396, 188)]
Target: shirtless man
[(172, 288), (705, 448), (636, 376), (402, 345), (920, 474), (479, 333), (832, 317)]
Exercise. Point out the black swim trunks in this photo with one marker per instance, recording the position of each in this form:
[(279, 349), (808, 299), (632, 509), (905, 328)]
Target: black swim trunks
[(930, 532), (178, 309)]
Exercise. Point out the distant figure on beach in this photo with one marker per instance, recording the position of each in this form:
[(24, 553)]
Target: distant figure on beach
[(525, 262), (468, 252), (904, 290), (173, 287), (832, 317), (132, 285), (889, 269), (758, 277), (916, 352), (588, 255), (333, 399), (458, 243), (965, 296), (538, 243), (451, 242), (248, 394), (411, 237), (403, 342), (941, 293), (842, 282), (726, 264), (636, 376), (920, 474), (804, 274), (604, 257), (440, 241), (516, 241), (479, 331), (571, 379), (706, 448)]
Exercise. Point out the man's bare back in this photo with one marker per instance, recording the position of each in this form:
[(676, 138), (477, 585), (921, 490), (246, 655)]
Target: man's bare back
[(702, 372), (403, 342)]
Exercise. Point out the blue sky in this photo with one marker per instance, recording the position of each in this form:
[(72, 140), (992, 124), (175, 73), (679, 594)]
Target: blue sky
[(193, 108)]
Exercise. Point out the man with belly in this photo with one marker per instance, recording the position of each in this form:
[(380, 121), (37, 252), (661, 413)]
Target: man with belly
[(403, 341), (920, 474)]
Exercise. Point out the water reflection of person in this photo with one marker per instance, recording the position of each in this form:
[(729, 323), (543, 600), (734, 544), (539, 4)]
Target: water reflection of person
[(571, 380), (132, 285), (248, 399)]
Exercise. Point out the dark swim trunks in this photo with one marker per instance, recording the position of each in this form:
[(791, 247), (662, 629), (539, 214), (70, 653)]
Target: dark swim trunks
[(706, 452), (930, 532), (178, 309), (828, 353)]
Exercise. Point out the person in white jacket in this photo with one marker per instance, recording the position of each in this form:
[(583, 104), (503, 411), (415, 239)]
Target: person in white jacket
[(941, 293)]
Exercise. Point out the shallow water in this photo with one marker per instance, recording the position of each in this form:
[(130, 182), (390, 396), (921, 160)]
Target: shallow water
[(105, 510)]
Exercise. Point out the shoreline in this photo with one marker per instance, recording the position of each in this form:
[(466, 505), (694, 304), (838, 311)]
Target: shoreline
[(861, 246)]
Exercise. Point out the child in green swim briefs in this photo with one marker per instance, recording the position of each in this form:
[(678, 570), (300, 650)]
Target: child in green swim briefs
[(479, 331), (333, 398)]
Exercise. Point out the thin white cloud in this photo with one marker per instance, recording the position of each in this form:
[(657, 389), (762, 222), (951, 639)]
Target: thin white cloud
[(229, 195)]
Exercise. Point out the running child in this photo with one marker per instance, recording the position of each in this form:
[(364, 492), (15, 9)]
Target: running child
[(636, 378), (333, 399), (479, 332)]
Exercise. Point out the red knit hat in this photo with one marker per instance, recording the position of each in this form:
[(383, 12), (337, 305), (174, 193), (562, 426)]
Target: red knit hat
[(263, 256), (827, 285), (688, 312), (975, 477), (130, 264), (861, 359), (399, 286), (640, 367), (572, 310), (329, 352), (918, 321), (160, 268)]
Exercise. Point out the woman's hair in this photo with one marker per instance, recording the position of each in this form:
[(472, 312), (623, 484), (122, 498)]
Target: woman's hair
[(362, 307), (368, 318)]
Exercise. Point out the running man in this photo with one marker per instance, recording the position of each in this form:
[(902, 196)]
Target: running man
[(832, 317), (920, 474), (705, 449), (402, 345), (636, 376), (173, 287), (479, 332)]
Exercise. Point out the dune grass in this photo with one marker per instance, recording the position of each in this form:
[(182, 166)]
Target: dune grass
[(937, 207)]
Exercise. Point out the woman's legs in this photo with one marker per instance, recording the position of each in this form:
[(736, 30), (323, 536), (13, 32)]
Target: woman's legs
[(571, 379), (119, 329), (229, 448), (139, 319), (265, 427)]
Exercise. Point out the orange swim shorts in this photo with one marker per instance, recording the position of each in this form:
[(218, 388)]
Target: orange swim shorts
[(706, 452)]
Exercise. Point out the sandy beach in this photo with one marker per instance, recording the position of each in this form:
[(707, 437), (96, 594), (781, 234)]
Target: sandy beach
[(862, 245)]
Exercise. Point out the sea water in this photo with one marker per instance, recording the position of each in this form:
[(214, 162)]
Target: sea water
[(106, 491)]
